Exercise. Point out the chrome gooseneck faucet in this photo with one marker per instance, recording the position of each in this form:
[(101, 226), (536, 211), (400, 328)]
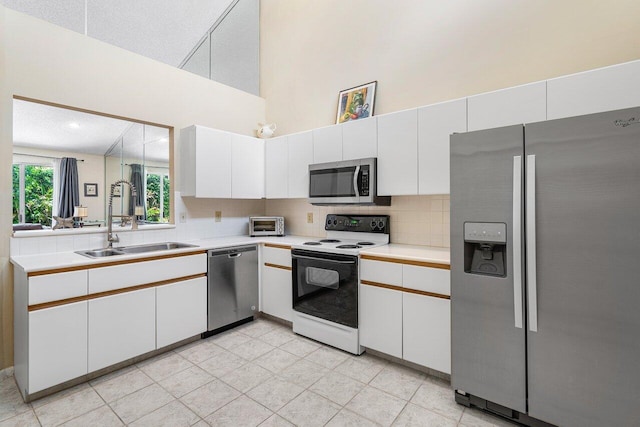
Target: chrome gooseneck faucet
[(134, 225)]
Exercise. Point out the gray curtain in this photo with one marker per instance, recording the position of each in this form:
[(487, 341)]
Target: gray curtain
[(137, 172), (69, 195)]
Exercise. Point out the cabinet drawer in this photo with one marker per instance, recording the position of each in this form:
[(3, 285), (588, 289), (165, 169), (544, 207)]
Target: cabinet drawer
[(57, 286), (139, 273), (389, 273), (276, 256), (426, 279)]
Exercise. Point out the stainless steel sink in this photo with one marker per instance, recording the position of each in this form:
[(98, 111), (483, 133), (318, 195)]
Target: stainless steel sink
[(152, 247), (100, 253)]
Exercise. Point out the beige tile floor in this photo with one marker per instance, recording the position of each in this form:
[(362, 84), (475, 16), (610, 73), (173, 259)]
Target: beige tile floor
[(260, 373)]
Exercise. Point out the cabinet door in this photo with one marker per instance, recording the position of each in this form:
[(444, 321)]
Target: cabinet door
[(212, 163), (512, 106), (121, 326), (426, 336), (398, 153), (604, 89), (435, 124), (300, 157), (57, 345), (277, 168), (277, 294), (360, 139), (381, 319), (327, 144), (247, 169), (181, 310)]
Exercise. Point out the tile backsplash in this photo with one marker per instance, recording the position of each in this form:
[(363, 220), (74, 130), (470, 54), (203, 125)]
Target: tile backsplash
[(415, 220)]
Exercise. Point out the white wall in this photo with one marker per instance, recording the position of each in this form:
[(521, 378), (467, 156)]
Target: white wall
[(42, 61), (426, 51)]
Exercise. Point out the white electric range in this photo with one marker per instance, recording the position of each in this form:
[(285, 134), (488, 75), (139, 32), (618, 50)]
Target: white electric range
[(325, 278)]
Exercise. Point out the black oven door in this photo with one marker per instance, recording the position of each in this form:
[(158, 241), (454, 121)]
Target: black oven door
[(326, 286)]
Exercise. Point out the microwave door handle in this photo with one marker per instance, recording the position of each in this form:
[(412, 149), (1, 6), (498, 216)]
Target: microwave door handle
[(355, 181)]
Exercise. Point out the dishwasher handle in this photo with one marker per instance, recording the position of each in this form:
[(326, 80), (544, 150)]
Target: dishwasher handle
[(235, 255)]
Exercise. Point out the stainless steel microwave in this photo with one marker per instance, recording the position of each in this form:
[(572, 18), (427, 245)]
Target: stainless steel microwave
[(266, 226), (348, 182)]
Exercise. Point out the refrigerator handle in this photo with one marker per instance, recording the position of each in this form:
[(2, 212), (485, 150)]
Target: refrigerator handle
[(532, 292), (516, 244)]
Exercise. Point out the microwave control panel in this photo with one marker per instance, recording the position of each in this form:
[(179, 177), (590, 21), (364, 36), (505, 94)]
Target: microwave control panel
[(364, 181)]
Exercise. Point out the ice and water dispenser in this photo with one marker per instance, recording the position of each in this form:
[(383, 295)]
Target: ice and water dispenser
[(485, 248)]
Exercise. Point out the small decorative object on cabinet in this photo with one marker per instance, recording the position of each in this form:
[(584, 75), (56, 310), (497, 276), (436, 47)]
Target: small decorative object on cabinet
[(265, 130), (356, 103)]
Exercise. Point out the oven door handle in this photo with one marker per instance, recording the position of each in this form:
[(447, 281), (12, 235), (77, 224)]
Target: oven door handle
[(322, 259)]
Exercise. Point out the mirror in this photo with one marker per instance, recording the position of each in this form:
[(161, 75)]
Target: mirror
[(107, 149)]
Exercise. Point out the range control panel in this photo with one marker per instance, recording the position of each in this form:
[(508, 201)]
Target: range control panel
[(358, 223), (485, 232)]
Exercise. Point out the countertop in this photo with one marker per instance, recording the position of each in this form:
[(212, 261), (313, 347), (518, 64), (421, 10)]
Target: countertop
[(431, 254), (58, 260)]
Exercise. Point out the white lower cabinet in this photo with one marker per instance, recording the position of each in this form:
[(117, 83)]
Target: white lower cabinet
[(380, 323), (277, 294), (181, 310), (57, 345), (121, 326), (405, 312), (426, 333)]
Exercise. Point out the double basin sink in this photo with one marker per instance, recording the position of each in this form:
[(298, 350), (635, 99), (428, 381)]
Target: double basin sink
[(137, 249)]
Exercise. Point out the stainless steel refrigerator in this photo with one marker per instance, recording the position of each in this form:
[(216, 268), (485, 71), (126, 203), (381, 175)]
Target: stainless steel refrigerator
[(545, 270)]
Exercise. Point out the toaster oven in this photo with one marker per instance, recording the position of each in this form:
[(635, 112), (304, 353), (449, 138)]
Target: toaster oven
[(266, 226)]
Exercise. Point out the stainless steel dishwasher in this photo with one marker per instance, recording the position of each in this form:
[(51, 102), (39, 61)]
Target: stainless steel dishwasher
[(232, 286)]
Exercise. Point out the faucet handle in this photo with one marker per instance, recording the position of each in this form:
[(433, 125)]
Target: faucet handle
[(115, 238)]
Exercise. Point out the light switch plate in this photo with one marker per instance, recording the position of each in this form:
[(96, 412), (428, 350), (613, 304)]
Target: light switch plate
[(183, 217), (218, 216), (309, 217)]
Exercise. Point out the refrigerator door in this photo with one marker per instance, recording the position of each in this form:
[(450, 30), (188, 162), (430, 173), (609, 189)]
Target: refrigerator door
[(488, 335), (583, 358)]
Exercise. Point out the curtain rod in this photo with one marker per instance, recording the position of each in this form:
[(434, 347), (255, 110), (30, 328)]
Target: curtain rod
[(44, 157), (149, 166)]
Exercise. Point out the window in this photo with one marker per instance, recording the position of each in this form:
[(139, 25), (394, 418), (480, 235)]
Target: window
[(157, 197), (32, 193)]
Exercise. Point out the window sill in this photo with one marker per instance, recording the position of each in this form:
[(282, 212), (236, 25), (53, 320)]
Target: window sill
[(87, 230)]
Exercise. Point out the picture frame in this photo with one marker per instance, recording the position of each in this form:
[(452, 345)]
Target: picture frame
[(356, 103), (117, 191), (90, 190)]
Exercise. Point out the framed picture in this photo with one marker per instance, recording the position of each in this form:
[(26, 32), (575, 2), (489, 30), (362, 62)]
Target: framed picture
[(117, 191), (90, 190), (356, 103)]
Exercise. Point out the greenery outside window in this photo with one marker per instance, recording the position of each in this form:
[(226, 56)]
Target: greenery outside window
[(32, 194), (157, 197)]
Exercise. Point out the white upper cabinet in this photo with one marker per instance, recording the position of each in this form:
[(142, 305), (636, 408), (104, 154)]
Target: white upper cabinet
[(516, 105), (277, 168), (435, 124), (247, 167), (397, 153), (604, 89), (300, 157), (360, 139), (206, 162), (327, 144)]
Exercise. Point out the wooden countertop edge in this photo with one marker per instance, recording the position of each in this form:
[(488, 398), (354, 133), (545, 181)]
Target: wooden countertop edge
[(278, 246), (401, 289), (56, 303), (406, 261), (112, 263)]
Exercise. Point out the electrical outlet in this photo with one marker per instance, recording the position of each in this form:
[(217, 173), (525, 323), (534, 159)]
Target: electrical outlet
[(218, 216), (309, 217), (183, 217)]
